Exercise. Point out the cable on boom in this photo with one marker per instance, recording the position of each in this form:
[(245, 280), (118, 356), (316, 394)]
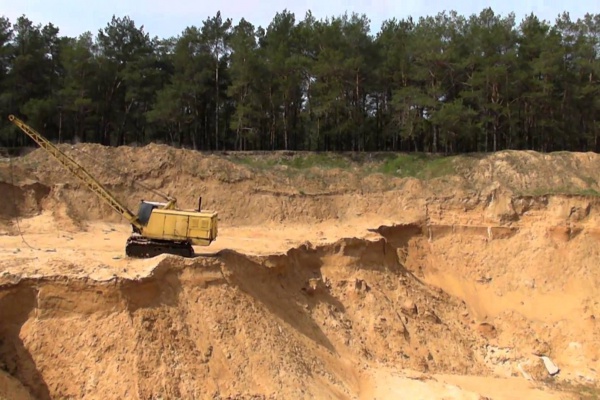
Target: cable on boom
[(115, 170), (15, 201)]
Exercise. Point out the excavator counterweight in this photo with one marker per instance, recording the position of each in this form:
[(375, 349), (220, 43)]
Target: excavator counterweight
[(158, 227)]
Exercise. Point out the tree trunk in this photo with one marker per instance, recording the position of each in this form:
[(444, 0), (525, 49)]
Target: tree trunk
[(217, 105), (60, 127), (121, 140), (285, 127)]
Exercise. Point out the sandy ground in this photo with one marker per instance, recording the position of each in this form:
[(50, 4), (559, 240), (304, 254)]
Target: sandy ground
[(323, 283), (97, 253), (390, 384)]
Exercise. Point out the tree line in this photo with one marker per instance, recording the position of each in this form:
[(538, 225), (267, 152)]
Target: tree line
[(444, 83)]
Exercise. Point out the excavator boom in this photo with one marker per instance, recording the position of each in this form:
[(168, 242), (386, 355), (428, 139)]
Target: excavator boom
[(78, 171), (158, 228)]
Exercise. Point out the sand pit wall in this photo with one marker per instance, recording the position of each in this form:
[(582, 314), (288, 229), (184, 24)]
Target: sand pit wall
[(23, 201), (306, 323), (498, 188), (300, 322)]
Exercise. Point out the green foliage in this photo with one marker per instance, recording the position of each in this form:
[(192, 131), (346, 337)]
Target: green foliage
[(582, 391), (319, 160), (298, 161), (441, 84), (418, 166)]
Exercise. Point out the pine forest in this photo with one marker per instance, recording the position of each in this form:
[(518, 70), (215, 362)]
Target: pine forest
[(442, 84)]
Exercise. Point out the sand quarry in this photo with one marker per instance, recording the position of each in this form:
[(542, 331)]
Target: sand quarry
[(324, 283)]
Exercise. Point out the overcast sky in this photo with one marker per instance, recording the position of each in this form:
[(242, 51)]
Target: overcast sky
[(165, 18)]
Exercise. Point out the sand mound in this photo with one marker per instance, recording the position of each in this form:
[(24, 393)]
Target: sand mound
[(248, 195)]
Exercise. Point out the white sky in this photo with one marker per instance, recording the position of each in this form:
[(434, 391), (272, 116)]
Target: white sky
[(165, 18)]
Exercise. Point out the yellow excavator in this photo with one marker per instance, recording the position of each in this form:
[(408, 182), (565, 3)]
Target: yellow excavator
[(158, 227)]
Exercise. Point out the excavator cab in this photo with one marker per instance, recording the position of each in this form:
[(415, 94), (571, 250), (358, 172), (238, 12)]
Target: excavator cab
[(166, 230), (160, 221), (145, 210)]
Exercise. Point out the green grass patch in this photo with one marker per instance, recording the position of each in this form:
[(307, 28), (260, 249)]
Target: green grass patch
[(297, 161), (319, 160), (419, 166), (254, 162), (583, 392), (589, 180), (588, 192)]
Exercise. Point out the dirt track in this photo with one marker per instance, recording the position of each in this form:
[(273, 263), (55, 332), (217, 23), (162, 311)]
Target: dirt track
[(325, 284)]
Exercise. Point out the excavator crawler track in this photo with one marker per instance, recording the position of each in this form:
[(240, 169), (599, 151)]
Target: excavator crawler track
[(140, 247)]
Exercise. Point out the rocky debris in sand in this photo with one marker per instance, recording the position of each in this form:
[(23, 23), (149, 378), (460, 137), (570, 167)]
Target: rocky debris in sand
[(538, 369), (409, 308), (360, 285), (541, 348), (524, 373), (417, 376), (313, 285), (429, 315), (550, 366), (487, 330), (535, 369), (500, 360), (589, 377), (239, 396), (529, 283)]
